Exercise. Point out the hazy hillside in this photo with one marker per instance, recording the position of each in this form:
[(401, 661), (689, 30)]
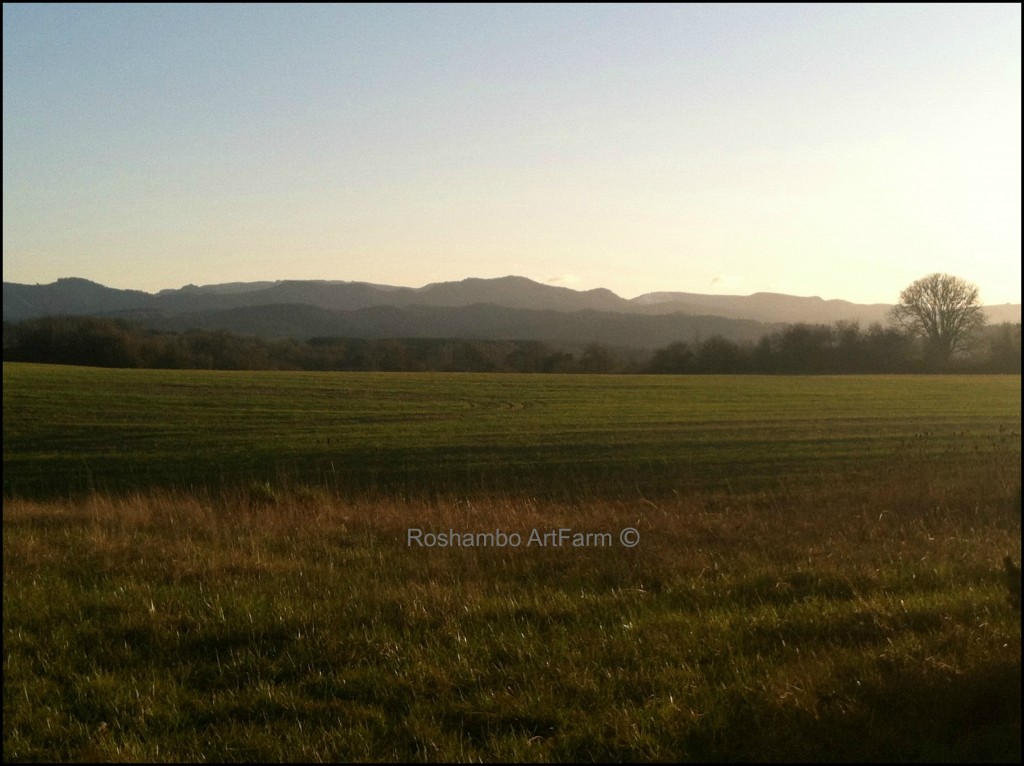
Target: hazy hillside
[(479, 322), (68, 296), (767, 307), (507, 307)]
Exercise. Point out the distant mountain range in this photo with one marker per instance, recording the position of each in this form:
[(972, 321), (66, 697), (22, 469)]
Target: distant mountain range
[(504, 308)]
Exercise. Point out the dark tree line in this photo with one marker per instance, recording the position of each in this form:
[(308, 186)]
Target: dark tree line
[(102, 342), (840, 348), (798, 349)]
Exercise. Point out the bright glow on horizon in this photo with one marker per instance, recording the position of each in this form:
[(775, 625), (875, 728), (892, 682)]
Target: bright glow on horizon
[(840, 151)]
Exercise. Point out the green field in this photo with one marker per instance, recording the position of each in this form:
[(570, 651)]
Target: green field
[(70, 429), (210, 566)]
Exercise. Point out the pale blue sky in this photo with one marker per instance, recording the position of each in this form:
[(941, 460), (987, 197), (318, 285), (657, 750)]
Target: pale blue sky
[(840, 151)]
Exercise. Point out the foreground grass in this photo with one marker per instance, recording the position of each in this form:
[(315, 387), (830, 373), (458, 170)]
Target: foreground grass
[(831, 620)]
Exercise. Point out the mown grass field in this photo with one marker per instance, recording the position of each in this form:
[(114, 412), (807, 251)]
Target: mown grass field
[(72, 429), (216, 566)]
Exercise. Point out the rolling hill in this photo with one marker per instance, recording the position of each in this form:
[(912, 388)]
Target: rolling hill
[(503, 308)]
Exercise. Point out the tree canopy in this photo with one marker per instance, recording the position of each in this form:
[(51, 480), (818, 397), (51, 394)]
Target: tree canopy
[(943, 310)]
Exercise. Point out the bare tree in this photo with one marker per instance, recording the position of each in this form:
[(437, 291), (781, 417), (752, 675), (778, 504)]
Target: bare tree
[(943, 310)]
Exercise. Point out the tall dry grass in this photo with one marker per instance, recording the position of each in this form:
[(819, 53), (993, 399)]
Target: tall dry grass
[(856, 617)]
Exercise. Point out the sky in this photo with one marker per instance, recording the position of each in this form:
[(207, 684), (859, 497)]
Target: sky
[(842, 151)]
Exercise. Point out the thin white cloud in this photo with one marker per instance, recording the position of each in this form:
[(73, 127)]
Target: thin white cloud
[(564, 279)]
